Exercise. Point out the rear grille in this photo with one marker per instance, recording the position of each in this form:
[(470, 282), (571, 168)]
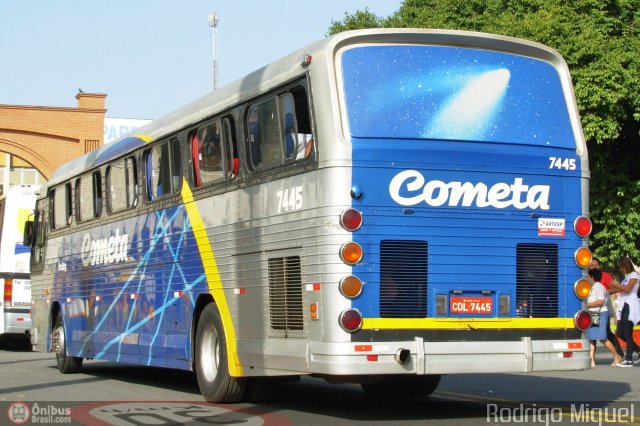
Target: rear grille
[(403, 279), (537, 280), (285, 293)]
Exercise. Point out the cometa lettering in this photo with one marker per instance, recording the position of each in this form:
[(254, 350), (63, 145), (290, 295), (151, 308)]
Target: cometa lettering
[(436, 193), (106, 250)]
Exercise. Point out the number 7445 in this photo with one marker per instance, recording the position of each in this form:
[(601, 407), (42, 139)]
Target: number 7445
[(562, 163), (290, 199)]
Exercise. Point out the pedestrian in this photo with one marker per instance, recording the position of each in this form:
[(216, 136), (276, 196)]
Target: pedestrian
[(597, 305), (606, 282), (628, 312)]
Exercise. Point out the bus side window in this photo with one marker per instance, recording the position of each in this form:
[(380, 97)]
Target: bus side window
[(61, 208), (214, 154), (265, 140), (232, 163), (175, 164), (89, 196), (207, 150), (122, 185), (164, 171), (97, 194), (40, 231), (298, 139)]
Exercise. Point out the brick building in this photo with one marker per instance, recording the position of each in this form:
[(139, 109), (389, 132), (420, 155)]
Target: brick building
[(43, 138)]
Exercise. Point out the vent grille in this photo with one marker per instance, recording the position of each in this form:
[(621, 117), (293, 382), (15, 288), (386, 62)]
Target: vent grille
[(537, 280), (403, 279), (285, 293)]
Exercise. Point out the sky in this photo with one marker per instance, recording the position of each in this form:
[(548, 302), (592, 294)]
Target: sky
[(150, 56)]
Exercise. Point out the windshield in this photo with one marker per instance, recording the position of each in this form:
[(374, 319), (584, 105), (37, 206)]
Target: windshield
[(454, 93)]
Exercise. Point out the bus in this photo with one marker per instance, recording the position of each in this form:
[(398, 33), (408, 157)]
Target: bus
[(380, 207), (15, 308)]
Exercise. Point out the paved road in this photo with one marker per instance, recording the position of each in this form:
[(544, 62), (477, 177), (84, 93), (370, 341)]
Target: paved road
[(108, 393)]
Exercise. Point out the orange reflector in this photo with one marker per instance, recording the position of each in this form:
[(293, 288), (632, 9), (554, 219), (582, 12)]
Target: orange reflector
[(351, 253), (583, 257), (582, 288), (372, 357), (350, 286), (313, 310), (20, 319)]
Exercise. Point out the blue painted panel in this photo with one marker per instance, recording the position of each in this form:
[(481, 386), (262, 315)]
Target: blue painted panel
[(456, 147), (135, 297)]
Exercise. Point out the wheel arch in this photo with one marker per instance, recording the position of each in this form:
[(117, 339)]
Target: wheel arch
[(54, 311)]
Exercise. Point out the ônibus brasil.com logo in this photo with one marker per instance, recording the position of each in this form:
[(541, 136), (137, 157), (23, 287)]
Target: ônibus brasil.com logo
[(20, 413)]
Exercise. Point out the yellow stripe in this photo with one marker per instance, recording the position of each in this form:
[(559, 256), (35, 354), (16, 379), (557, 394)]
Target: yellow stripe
[(213, 278), (145, 138), (465, 323)]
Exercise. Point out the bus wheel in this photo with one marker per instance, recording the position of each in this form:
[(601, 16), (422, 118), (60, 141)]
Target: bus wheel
[(389, 387), (423, 386), (260, 389), (212, 370), (66, 364)]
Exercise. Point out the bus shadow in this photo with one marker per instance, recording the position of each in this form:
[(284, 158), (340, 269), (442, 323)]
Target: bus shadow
[(464, 396), (460, 396), (15, 343), (176, 380)]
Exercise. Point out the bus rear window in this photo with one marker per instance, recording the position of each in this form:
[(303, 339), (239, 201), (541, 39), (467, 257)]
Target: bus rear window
[(454, 93)]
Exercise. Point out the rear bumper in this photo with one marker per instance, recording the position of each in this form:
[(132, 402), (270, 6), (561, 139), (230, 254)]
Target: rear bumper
[(17, 320), (525, 355)]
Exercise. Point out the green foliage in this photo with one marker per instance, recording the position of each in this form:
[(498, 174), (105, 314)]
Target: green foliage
[(600, 40), (360, 19)]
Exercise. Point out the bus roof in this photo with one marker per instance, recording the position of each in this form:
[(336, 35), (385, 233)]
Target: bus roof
[(287, 69)]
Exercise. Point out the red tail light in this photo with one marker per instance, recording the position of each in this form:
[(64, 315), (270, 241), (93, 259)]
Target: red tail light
[(8, 290), (583, 226), (351, 220), (582, 320), (350, 320)]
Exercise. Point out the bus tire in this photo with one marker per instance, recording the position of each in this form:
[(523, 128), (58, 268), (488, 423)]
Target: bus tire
[(66, 364), (259, 389), (424, 386), (212, 370), (389, 387)]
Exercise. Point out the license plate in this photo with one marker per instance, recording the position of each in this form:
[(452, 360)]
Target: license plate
[(471, 305)]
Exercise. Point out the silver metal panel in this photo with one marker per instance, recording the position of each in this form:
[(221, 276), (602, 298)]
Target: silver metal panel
[(448, 357)]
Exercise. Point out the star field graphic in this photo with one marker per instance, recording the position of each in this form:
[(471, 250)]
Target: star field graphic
[(446, 93)]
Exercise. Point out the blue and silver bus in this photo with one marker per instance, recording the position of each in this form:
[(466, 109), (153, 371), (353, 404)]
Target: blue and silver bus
[(381, 207)]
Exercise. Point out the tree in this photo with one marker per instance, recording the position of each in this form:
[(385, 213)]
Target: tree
[(600, 40)]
